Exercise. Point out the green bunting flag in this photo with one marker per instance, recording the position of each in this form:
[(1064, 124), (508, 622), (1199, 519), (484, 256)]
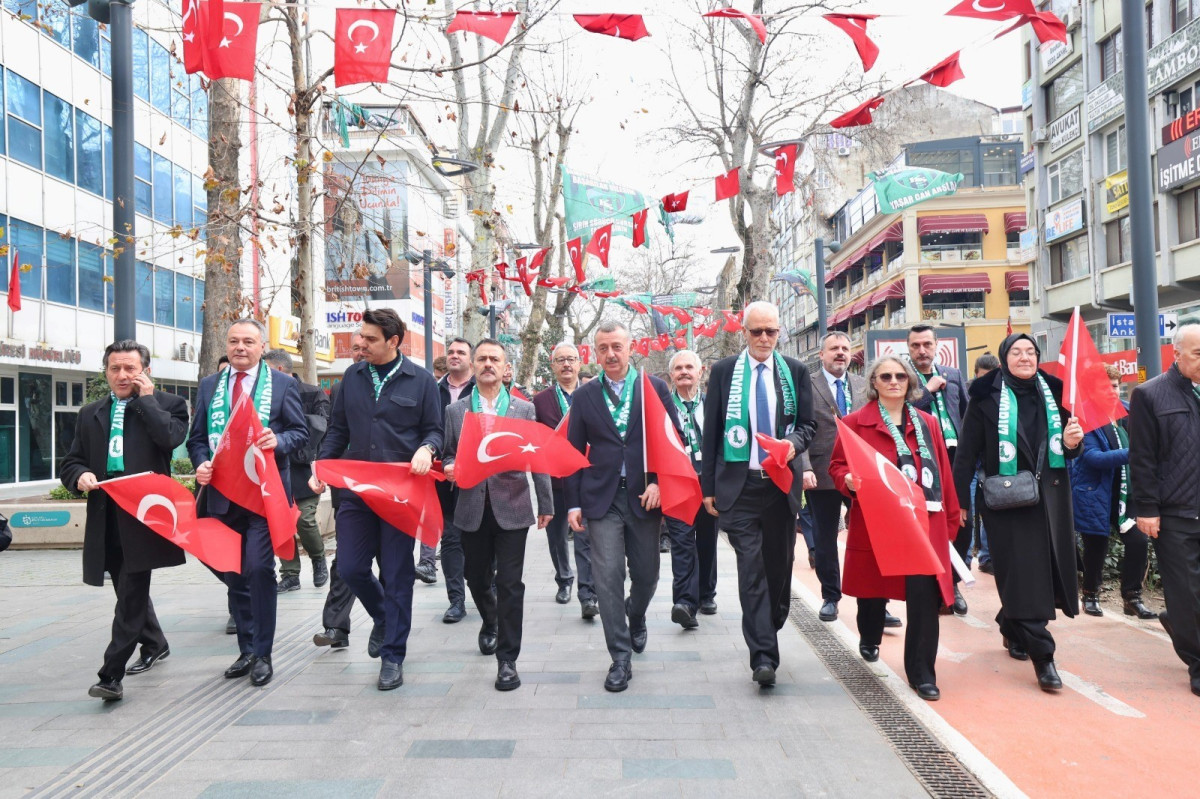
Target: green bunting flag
[(906, 186)]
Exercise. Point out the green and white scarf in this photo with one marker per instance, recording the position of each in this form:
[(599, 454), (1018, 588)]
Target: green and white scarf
[(941, 412), (737, 411), (379, 382), (116, 434), (1124, 523), (219, 410), (621, 409), (688, 420), (563, 405), (930, 480), (1008, 429), (502, 401)]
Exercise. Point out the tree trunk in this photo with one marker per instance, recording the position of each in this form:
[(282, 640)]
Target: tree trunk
[(305, 170)]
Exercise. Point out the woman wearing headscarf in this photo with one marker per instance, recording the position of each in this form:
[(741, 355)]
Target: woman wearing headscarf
[(1016, 425), (912, 440)]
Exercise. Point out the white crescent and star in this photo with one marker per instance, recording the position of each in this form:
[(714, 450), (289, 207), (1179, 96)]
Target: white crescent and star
[(979, 6), (904, 495), (151, 501), (254, 456), (361, 47), (482, 453), (230, 16), (669, 429)]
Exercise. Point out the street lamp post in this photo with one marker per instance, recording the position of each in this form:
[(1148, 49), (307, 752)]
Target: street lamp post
[(819, 247), (427, 269)]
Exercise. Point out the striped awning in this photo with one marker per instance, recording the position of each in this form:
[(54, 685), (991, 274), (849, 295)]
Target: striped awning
[(1014, 221), (895, 232), (1016, 280), (860, 306), (952, 223), (836, 271), (948, 284), (840, 316), (889, 292)]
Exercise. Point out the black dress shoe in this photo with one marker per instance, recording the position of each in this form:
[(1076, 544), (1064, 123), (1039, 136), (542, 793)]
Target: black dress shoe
[(231, 626), (488, 639), (986, 567), (1196, 685), (664, 544), (332, 638), (708, 607), (375, 642), (589, 609), (564, 595), (454, 614), (764, 675), (289, 583), (891, 621), (637, 630), (261, 672), (507, 678), (426, 573), (960, 605), (869, 653), (618, 676), (1047, 676), (240, 667), (828, 611), (1015, 651), (108, 690), (928, 691), (1091, 604), (146, 662), (684, 617), (320, 572), (391, 675), (1135, 607)]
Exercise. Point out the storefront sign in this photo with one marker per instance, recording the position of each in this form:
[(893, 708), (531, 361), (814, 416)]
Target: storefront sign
[(1027, 94), (1179, 162), (24, 352), (1173, 59), (1029, 245), (1064, 221), (1066, 128), (1106, 102), (285, 334), (1178, 128), (1028, 162), (1116, 191), (1053, 53)]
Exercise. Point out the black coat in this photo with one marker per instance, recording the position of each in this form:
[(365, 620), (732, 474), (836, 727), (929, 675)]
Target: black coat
[(407, 416), (316, 413), (955, 393), (1164, 448), (545, 404), (726, 480), (1033, 548), (154, 426)]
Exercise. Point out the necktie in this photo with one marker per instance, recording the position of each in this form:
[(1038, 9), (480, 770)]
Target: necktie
[(762, 411), (841, 396), (237, 388)]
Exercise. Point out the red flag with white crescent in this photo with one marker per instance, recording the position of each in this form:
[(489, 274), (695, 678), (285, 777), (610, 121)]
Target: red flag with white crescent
[(859, 115), (667, 459), (575, 250), (855, 26), (992, 9), (230, 38), (674, 203), (166, 507), (947, 71), (622, 26), (754, 20), (14, 283), (493, 25), (785, 169), (193, 37), (639, 227), (776, 464), (600, 243), (404, 500), (489, 445), (362, 50), (727, 185), (1087, 392)]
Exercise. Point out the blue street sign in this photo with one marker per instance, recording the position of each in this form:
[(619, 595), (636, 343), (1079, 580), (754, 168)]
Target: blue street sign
[(1121, 325)]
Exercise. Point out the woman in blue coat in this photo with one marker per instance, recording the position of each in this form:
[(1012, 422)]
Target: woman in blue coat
[(1100, 488)]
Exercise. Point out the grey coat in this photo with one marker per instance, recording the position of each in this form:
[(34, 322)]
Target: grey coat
[(816, 458), (507, 492)]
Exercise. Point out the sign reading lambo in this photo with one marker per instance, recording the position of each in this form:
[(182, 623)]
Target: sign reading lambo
[(1179, 162)]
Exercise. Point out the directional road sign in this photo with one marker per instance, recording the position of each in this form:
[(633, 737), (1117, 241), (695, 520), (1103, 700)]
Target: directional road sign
[(1121, 325)]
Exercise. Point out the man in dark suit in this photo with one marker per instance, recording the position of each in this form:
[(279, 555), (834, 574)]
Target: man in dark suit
[(756, 391), (308, 533), (454, 385), (552, 405), (944, 398), (277, 401), (494, 517), (616, 496), (134, 429), (836, 392), (388, 411)]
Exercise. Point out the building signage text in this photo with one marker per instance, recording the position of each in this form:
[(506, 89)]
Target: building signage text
[(1179, 162), (1176, 57), (47, 354), (1066, 129), (1064, 220), (1106, 102)]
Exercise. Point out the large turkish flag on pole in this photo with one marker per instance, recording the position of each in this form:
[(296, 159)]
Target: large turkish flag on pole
[(404, 500), (490, 445), (362, 50), (230, 38), (678, 486), (1087, 392)]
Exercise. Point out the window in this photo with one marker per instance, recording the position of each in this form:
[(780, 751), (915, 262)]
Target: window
[(198, 304), (160, 78), (937, 247), (86, 34), (163, 197), (26, 10), (23, 102), (1069, 260), (60, 269), (1182, 12), (949, 161), (88, 153), (1000, 164), (106, 52), (141, 64), (27, 239), (143, 179), (164, 297), (181, 95), (56, 22), (1065, 177), (185, 288), (199, 202), (1115, 158), (1110, 56), (1065, 92), (91, 276), (144, 310), (108, 167), (199, 108), (183, 197), (1189, 220), (1149, 25), (60, 138)]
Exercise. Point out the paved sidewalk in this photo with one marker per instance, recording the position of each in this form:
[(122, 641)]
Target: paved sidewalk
[(691, 724)]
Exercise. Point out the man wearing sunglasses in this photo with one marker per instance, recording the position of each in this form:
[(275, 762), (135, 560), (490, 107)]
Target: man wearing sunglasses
[(757, 391)]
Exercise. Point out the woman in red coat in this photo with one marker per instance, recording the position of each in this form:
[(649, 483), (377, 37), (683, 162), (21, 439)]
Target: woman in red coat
[(912, 440)]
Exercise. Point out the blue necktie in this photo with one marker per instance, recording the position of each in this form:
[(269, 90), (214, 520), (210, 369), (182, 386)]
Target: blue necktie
[(841, 396), (762, 410)]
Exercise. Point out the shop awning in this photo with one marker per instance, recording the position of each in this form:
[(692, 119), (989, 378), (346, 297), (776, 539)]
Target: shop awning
[(1017, 280), (948, 284), (836, 271), (1014, 221), (952, 223), (860, 306), (895, 232), (889, 292), (839, 316)]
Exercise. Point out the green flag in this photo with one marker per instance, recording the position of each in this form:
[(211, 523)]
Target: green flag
[(801, 281), (907, 186), (589, 203), (602, 283)]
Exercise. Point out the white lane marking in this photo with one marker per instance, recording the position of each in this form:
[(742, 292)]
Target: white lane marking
[(1097, 694)]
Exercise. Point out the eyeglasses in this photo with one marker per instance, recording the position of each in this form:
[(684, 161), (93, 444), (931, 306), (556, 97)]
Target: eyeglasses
[(566, 360), (769, 332), (888, 377)]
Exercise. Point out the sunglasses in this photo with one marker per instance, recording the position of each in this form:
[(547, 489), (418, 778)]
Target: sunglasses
[(769, 332), (889, 377)]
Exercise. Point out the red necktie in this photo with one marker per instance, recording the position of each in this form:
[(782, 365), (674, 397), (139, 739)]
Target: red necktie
[(237, 388)]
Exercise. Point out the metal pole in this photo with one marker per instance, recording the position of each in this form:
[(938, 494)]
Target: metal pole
[(426, 256), (124, 287), (492, 321), (1141, 190), (822, 311)]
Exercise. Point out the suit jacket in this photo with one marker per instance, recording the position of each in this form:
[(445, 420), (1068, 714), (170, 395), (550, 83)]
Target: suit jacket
[(956, 397), (286, 419), (816, 458), (316, 414), (444, 390), (593, 489), (507, 492), (725, 480), (154, 426), (545, 403)]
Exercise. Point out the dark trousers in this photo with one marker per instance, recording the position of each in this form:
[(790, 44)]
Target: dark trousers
[(338, 603), (362, 538), (452, 552), (826, 505), (619, 537), (308, 533), (693, 560), (134, 620), (494, 561), (762, 531), (1133, 562), (923, 597), (1033, 635), (1178, 548), (252, 596), (556, 540), (804, 524)]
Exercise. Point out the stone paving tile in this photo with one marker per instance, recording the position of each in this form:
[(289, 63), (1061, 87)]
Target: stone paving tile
[(278, 718), (677, 769), (294, 789), (43, 756), (462, 749)]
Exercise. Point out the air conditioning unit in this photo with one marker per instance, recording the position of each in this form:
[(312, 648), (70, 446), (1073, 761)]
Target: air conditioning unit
[(1040, 136), (844, 152), (450, 207), (182, 354), (1074, 18)]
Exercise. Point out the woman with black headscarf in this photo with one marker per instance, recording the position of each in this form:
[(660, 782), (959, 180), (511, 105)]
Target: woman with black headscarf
[(1016, 426)]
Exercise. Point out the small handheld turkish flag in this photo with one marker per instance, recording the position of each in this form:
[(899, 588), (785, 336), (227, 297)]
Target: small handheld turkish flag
[(404, 500), (575, 250), (511, 445), (733, 322), (727, 185), (666, 458), (231, 38), (362, 50), (1087, 392), (623, 26), (776, 463), (493, 25), (674, 203), (785, 169), (639, 227), (600, 243)]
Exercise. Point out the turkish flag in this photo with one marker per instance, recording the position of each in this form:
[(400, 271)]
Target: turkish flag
[(776, 464), (249, 477), (727, 185), (855, 26), (553, 282), (493, 25), (535, 263), (623, 26), (683, 316), (660, 342), (674, 203), (1086, 390), (166, 507), (193, 37), (600, 242), (642, 347), (585, 353), (502, 268), (516, 392), (993, 9), (893, 507), (785, 169), (733, 322), (362, 50), (634, 305), (404, 500), (755, 20), (678, 486), (639, 227), (575, 250), (1047, 27), (700, 310), (860, 115), (490, 445), (230, 38), (946, 72), (607, 295), (14, 283), (708, 331), (680, 340)]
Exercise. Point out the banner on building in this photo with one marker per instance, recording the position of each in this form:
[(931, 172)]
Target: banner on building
[(1064, 220), (366, 230), (1179, 162), (590, 203), (1116, 191), (906, 186)]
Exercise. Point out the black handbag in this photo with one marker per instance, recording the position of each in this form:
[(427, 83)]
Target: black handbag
[(1020, 490)]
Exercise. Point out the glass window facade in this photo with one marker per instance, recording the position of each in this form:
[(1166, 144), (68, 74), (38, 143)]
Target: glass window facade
[(164, 196), (185, 288), (23, 102), (27, 239), (91, 276), (164, 297), (89, 153), (60, 269), (59, 126), (144, 277)]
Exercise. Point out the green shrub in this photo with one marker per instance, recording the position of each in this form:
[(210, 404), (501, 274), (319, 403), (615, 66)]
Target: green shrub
[(182, 466), (60, 492)]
